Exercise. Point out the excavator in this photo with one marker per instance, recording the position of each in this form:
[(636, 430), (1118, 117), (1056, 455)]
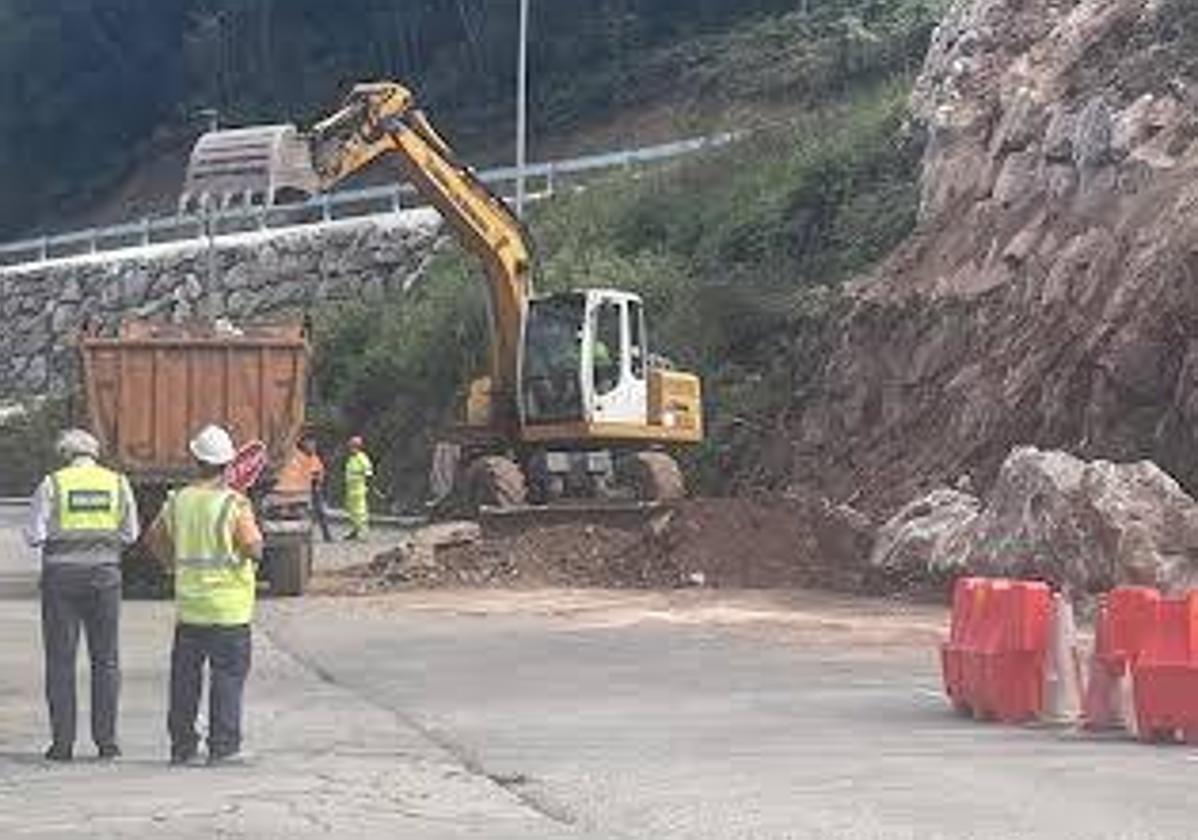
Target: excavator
[(573, 404)]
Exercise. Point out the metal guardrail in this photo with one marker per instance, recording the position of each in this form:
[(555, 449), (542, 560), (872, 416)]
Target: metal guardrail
[(323, 208)]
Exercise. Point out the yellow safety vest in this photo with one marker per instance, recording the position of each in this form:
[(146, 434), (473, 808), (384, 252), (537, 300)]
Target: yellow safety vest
[(214, 584), (88, 508), (358, 469)]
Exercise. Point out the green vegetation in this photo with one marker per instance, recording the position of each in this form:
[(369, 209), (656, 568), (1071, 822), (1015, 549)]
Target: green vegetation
[(93, 86), (734, 253)]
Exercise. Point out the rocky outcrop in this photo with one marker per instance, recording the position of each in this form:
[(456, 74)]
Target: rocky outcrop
[(1050, 293), (241, 277), (1085, 526)]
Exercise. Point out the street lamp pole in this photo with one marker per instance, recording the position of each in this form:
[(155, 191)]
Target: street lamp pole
[(522, 109)]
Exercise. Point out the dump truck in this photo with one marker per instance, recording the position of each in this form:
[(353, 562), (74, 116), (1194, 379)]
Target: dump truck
[(149, 388)]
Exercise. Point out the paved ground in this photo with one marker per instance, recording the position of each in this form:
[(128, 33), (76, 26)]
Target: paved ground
[(326, 761), (566, 714)]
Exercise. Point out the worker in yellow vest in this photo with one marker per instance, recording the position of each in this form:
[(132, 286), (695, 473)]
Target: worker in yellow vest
[(358, 472), (80, 519), (209, 532)]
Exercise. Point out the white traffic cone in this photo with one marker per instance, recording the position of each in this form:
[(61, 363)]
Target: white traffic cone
[(1101, 709), (1062, 666), (1109, 704)]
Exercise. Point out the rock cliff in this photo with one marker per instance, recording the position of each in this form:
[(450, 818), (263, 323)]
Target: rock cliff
[(1050, 293)]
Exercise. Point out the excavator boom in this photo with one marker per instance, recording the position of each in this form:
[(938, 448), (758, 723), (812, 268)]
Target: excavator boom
[(376, 120)]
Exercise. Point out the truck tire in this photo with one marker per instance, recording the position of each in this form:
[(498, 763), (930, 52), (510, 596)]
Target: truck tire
[(655, 476), (495, 481), (290, 568)]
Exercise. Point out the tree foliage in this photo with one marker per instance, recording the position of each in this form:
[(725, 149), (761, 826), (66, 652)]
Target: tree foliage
[(87, 84)]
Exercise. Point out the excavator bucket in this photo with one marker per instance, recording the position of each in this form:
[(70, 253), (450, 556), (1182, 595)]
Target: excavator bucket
[(258, 166)]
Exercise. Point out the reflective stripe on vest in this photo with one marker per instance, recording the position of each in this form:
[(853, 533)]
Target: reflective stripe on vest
[(88, 509), (213, 583)]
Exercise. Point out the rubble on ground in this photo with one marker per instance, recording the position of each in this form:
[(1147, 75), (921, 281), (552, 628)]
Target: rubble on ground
[(725, 543)]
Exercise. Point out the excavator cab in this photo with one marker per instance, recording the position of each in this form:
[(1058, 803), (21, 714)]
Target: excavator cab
[(585, 360)]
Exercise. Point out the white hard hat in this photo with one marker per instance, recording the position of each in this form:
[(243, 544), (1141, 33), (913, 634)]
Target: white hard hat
[(213, 446), (74, 442)]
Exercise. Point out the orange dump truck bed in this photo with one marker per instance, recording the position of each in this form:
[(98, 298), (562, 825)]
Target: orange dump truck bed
[(150, 389)]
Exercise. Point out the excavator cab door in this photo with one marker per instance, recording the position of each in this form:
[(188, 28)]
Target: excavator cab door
[(615, 389)]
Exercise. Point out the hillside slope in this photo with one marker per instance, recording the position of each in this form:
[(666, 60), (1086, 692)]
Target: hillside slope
[(106, 98)]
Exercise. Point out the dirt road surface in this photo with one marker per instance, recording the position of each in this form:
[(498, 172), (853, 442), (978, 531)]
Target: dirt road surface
[(558, 713)]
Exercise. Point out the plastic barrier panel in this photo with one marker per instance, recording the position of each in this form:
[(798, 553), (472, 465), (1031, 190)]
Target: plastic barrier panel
[(1131, 617), (993, 662), (1165, 676)]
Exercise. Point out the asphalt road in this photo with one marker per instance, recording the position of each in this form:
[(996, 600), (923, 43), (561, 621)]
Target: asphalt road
[(579, 715)]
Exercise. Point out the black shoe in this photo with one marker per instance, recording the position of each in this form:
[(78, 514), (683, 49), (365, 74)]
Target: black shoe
[(109, 751), (58, 752), (182, 758), (227, 759)]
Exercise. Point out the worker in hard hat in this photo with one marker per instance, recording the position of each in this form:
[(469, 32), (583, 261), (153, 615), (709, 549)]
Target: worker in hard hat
[(81, 517), (358, 473), (209, 532)]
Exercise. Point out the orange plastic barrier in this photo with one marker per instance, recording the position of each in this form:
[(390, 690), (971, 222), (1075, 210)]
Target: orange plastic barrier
[(993, 663), (1127, 618), (1131, 618), (1165, 674)]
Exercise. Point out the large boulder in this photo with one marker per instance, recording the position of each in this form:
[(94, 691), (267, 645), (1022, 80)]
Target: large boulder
[(924, 537), (1086, 526)]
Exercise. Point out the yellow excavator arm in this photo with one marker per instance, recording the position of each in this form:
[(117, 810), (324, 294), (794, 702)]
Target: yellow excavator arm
[(378, 119)]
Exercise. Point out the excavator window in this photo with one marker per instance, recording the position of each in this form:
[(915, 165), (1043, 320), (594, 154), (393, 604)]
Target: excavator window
[(607, 349), (553, 359), (636, 340)]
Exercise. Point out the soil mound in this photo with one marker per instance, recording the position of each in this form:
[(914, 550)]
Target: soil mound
[(725, 543)]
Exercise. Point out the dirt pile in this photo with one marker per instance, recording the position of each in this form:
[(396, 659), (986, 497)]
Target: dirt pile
[(1050, 294), (724, 543)]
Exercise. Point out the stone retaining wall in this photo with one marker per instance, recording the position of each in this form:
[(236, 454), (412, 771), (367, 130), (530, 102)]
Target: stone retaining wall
[(241, 277)]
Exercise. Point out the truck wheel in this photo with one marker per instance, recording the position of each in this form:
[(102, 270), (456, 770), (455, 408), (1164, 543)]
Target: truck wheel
[(655, 476), (290, 568), (495, 481)]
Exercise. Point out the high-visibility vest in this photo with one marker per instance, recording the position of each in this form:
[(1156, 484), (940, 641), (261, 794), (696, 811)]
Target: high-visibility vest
[(88, 508), (214, 584), (357, 470)]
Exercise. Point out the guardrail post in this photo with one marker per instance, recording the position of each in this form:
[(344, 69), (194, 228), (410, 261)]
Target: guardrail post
[(145, 230), (550, 174), (93, 236), (261, 217), (43, 249), (326, 208), (396, 201)]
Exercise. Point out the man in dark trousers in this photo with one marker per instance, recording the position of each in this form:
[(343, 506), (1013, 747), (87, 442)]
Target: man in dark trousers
[(209, 532), (80, 518)]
